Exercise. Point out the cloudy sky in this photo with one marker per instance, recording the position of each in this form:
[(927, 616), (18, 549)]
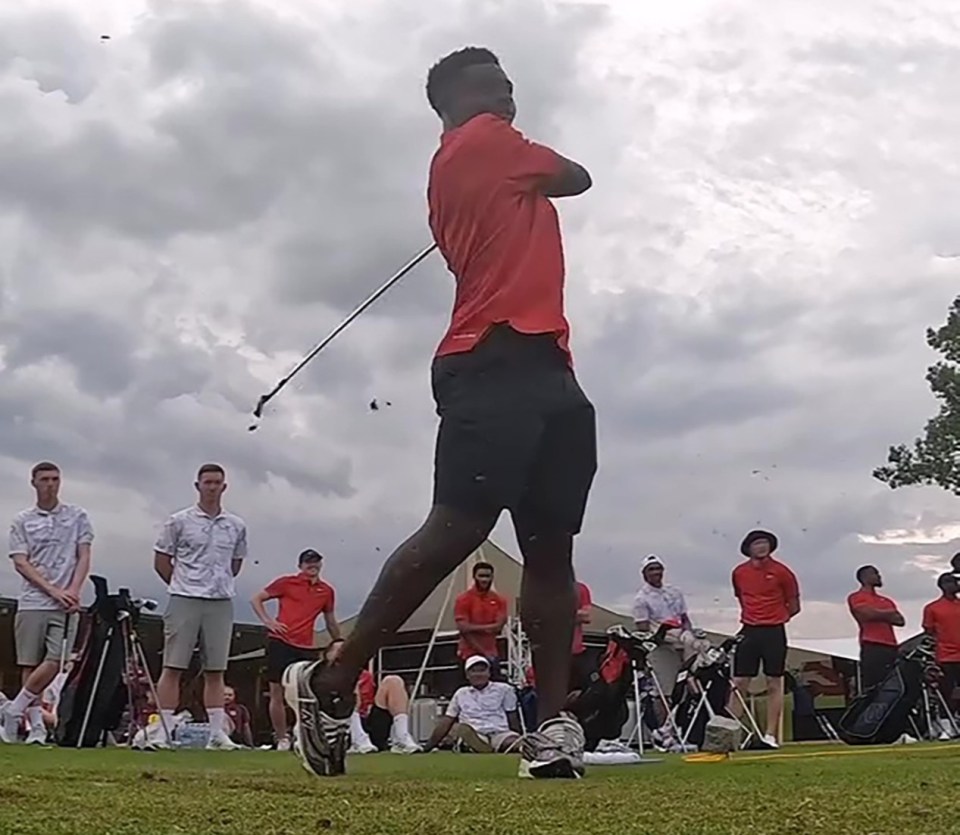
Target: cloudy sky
[(189, 205)]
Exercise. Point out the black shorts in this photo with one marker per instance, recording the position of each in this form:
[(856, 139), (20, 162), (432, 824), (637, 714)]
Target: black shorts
[(281, 655), (875, 662), (766, 644), (378, 723), (950, 680), (516, 432)]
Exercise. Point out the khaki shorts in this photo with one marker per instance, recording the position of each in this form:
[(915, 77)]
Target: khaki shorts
[(665, 661), (480, 743), (39, 635), (189, 619)]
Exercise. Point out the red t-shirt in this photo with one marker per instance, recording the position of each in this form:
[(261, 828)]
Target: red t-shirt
[(479, 608), (942, 619), (583, 601), (366, 693), (874, 632), (499, 235), (301, 602), (763, 588)]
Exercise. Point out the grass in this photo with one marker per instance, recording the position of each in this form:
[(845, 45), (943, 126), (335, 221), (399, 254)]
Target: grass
[(842, 790)]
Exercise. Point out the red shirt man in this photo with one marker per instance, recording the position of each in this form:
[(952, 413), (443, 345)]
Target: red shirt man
[(480, 614), (584, 605), (941, 618), (302, 598), (876, 616)]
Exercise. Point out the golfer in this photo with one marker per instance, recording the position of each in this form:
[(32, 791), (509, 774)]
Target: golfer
[(941, 619), (516, 430), (480, 614), (50, 545), (769, 597), (198, 554), (301, 599)]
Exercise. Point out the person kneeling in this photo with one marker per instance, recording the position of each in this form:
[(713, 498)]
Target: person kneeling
[(482, 717), (381, 721)]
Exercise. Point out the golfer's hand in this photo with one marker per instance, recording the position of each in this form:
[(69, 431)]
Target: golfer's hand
[(67, 599), (276, 627), (334, 650)]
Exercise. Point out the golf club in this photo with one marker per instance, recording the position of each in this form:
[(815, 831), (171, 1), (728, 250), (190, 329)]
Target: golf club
[(266, 398)]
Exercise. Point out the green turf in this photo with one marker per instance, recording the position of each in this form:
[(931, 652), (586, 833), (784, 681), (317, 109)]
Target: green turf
[(265, 793)]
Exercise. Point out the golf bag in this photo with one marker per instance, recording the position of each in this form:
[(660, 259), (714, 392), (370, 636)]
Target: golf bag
[(882, 714), (713, 680), (95, 692), (601, 707)]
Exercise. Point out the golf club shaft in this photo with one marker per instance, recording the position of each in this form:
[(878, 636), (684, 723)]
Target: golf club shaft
[(366, 303)]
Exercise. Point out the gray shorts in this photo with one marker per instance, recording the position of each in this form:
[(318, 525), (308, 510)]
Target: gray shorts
[(191, 618), (39, 635)]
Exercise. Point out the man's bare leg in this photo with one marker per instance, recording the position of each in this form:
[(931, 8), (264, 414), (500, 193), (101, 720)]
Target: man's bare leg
[(407, 578), (735, 704), (278, 711), (774, 705), (548, 606)]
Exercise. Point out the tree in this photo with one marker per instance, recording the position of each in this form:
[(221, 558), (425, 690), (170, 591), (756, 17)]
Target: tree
[(934, 458)]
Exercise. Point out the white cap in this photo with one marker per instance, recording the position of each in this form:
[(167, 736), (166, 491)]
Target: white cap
[(650, 559), (473, 660)]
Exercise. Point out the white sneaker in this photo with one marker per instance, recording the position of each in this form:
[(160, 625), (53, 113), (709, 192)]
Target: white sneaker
[(284, 744), (770, 740), (221, 742), (322, 729), (405, 746), (365, 747), (37, 736), (9, 726), (554, 751)]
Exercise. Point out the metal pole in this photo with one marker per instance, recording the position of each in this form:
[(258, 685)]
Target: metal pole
[(433, 636)]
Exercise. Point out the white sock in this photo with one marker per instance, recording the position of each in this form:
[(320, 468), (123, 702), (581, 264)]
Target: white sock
[(22, 702), (358, 736), (35, 717), (216, 716), (166, 721), (401, 727)]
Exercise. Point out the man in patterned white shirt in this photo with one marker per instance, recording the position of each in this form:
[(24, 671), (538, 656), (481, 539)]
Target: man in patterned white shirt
[(657, 604), (198, 554), (50, 546)]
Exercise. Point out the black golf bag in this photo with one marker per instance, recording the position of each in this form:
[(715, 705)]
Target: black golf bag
[(601, 707), (101, 664), (882, 714), (713, 680)]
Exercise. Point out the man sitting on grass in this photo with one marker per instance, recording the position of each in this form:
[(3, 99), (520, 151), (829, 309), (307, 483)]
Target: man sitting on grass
[(481, 718), (381, 721)]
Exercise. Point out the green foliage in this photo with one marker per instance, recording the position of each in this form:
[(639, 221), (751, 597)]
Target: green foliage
[(934, 458)]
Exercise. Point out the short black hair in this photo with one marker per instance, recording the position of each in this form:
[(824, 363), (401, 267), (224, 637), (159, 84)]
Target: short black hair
[(482, 566), (948, 577), (955, 561), (443, 75), (44, 467), (862, 571), (210, 468)]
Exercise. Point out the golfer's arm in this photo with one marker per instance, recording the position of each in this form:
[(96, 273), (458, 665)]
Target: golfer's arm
[(864, 614), (439, 732), (571, 180), (163, 565), (32, 575), (82, 570), (468, 628), (256, 603), (793, 606), (235, 566)]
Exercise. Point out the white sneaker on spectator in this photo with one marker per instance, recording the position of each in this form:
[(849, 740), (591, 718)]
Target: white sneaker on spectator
[(770, 741), (9, 726), (221, 742), (405, 746), (284, 744), (363, 747), (37, 736)]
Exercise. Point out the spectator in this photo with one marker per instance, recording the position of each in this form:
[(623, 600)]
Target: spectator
[(301, 599), (482, 717), (941, 619), (381, 721), (769, 597), (480, 615), (50, 545), (876, 616), (238, 725), (581, 668), (198, 555)]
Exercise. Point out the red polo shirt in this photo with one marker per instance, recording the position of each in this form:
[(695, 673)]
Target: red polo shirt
[(763, 588), (942, 619), (499, 235), (301, 602), (874, 632), (366, 693), (479, 608), (583, 601)]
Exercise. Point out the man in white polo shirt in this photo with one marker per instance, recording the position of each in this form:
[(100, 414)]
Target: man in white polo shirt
[(481, 716), (198, 554), (50, 547)]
